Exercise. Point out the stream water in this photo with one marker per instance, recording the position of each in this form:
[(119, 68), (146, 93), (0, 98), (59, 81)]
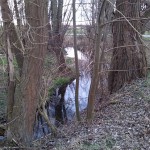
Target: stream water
[(61, 106), (84, 86)]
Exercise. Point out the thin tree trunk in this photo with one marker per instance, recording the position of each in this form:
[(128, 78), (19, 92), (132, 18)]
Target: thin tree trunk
[(94, 81), (10, 30), (13, 45), (17, 14), (76, 63), (11, 86), (57, 34)]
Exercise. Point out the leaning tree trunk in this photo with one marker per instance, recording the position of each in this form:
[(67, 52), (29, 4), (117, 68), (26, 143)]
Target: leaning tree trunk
[(128, 58), (28, 91)]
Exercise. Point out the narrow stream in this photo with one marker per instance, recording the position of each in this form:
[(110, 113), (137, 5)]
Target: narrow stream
[(84, 86), (61, 106)]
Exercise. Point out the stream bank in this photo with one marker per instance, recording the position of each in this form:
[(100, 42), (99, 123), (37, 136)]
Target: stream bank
[(61, 105), (124, 124)]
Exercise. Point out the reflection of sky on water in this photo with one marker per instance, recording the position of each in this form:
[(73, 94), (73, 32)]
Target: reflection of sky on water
[(70, 53), (84, 86), (41, 127)]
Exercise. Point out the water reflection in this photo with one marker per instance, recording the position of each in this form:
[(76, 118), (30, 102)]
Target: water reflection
[(84, 86), (70, 53), (61, 106)]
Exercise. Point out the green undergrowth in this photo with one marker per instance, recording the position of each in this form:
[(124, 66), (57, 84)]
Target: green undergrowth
[(3, 61), (3, 84), (87, 146), (2, 105), (61, 81), (148, 78), (146, 38), (69, 61), (50, 62), (58, 82), (108, 143)]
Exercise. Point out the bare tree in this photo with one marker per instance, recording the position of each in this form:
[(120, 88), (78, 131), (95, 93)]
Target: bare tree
[(76, 62), (13, 46), (57, 34), (26, 95), (10, 30), (96, 66)]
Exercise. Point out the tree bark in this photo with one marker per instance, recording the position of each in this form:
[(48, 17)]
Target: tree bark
[(10, 30), (27, 93), (13, 45), (57, 36), (97, 54), (145, 14), (76, 62), (129, 58)]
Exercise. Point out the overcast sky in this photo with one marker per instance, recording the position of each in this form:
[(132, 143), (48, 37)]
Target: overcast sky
[(82, 14), (83, 10)]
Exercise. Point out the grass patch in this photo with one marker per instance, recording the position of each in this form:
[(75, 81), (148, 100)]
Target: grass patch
[(110, 143), (61, 81), (58, 82), (86, 146), (69, 61), (50, 61), (148, 78), (3, 60), (3, 104), (146, 38)]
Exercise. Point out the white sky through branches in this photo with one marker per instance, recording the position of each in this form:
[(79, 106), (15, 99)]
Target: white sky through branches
[(83, 14)]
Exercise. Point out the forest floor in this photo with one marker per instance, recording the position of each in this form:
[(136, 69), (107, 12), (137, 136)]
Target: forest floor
[(123, 124)]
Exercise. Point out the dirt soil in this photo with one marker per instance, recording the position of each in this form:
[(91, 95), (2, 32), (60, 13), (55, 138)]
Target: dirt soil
[(122, 125)]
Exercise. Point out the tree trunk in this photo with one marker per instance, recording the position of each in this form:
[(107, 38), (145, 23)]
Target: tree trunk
[(97, 54), (57, 48), (10, 30), (76, 62), (17, 14), (129, 58), (57, 36), (27, 93), (13, 45)]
